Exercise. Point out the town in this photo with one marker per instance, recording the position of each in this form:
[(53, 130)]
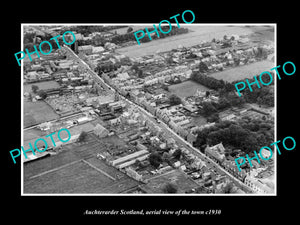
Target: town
[(160, 118)]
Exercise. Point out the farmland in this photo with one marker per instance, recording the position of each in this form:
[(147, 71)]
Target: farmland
[(187, 88), (197, 34), (245, 71)]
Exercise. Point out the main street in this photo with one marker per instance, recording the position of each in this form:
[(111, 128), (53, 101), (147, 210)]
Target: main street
[(179, 140)]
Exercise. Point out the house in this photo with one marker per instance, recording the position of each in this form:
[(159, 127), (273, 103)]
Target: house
[(100, 131), (86, 49), (258, 186), (216, 152), (82, 120), (191, 138), (132, 173), (265, 153), (97, 49), (130, 157), (229, 117), (177, 164)]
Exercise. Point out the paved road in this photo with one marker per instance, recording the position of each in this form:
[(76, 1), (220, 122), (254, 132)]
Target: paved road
[(179, 140)]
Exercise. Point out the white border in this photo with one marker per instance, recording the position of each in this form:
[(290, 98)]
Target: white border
[(149, 24)]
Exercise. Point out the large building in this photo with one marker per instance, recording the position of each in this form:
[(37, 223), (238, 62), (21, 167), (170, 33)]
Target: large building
[(216, 152)]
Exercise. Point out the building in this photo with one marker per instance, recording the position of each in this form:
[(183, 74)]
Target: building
[(258, 186), (216, 152), (100, 131), (86, 49), (129, 158), (231, 167)]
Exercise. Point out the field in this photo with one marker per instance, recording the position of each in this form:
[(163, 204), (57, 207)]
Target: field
[(187, 88), (262, 34), (197, 34), (75, 170), (37, 112), (31, 135), (42, 85), (182, 181), (245, 71), (124, 29)]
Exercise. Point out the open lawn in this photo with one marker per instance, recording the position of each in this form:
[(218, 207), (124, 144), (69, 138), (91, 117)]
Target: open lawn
[(42, 85), (31, 135), (186, 88), (182, 181), (75, 169), (76, 177), (37, 112), (197, 34), (245, 71)]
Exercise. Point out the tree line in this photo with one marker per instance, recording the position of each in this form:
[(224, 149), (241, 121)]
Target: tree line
[(262, 96), (246, 134), (119, 39)]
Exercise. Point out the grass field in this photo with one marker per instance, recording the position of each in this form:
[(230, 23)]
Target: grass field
[(197, 34), (183, 182), (187, 88), (42, 85), (37, 112), (245, 71), (75, 170), (31, 135), (78, 177)]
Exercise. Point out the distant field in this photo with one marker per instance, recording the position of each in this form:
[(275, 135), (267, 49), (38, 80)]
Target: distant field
[(77, 177), (187, 88), (37, 112), (42, 85), (183, 182), (197, 33), (124, 29), (246, 71), (31, 135), (75, 170)]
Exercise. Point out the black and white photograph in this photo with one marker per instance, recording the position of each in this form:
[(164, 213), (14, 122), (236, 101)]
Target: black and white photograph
[(133, 112), (108, 111)]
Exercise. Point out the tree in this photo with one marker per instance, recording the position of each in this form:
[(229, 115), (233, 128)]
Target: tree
[(29, 46), (129, 29), (203, 67), (140, 73), (135, 67), (155, 159), (208, 108), (42, 94), (166, 157), (82, 137), (207, 93), (34, 88), (174, 100), (177, 154), (165, 87), (228, 188), (170, 188), (213, 118)]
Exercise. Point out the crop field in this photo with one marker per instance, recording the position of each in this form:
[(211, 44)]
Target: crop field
[(245, 71), (187, 88), (196, 34)]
